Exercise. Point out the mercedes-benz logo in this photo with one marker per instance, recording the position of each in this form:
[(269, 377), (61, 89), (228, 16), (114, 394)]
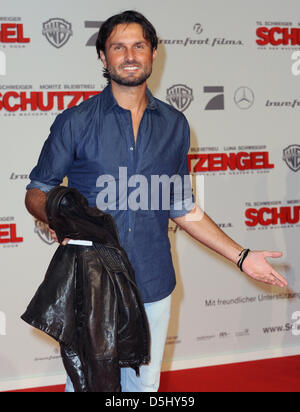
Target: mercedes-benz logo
[(244, 98)]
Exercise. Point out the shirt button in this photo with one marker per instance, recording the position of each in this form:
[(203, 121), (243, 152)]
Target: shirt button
[(129, 230), (131, 148)]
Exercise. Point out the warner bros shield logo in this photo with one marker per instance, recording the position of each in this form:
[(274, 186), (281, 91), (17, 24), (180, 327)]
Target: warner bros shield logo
[(42, 230), (57, 31), (291, 155), (180, 96)]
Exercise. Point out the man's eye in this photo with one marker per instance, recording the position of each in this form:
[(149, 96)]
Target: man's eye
[(139, 46), (118, 47)]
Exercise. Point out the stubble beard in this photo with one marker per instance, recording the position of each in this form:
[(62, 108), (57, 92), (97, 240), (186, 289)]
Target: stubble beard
[(129, 81)]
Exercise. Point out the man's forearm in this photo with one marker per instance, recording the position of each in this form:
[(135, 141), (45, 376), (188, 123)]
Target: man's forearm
[(35, 202), (208, 233)]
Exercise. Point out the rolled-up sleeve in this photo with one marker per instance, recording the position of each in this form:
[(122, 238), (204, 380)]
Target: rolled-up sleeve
[(56, 157), (182, 198), (34, 184)]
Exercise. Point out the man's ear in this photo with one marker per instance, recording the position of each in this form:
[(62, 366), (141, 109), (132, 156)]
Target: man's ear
[(154, 54), (103, 59)]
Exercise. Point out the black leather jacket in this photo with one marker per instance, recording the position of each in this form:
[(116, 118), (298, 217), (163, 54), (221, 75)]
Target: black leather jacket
[(88, 300)]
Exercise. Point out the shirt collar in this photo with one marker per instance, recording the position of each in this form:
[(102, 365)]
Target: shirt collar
[(110, 101), (152, 105)]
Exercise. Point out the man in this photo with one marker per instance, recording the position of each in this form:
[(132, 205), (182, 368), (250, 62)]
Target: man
[(126, 129)]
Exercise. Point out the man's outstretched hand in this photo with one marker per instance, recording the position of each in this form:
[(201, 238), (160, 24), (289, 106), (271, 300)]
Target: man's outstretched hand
[(257, 267)]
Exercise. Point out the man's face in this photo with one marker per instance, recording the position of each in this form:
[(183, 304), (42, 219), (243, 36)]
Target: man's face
[(128, 55)]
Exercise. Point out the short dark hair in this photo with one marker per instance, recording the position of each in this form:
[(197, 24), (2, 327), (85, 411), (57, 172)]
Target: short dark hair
[(127, 17)]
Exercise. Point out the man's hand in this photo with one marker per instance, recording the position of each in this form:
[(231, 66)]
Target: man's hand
[(257, 267), (208, 233), (54, 237)]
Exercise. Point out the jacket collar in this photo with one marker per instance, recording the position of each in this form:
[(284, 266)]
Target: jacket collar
[(70, 217)]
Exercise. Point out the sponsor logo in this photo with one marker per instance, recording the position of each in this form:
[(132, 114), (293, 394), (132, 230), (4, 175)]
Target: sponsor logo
[(221, 162), (205, 338), (93, 25), (42, 230), (2, 63), (57, 31), (278, 36), (224, 335), (291, 156), (204, 41), (11, 33), (291, 104), (180, 96), (288, 327), (268, 216), (43, 101), (217, 102), (198, 29), (242, 333), (14, 176), (8, 233), (51, 357), (244, 98)]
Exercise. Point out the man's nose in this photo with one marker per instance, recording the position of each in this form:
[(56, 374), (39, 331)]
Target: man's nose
[(130, 54)]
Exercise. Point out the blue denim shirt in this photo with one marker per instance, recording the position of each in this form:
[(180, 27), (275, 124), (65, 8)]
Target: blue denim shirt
[(93, 145)]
